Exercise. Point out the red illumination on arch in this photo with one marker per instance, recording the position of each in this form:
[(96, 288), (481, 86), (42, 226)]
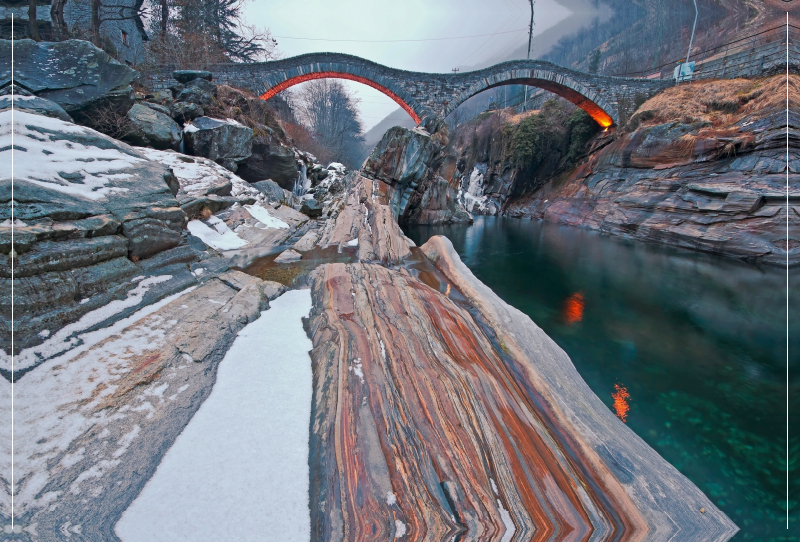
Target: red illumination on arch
[(339, 75)]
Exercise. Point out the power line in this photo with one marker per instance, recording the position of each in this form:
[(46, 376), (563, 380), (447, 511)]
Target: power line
[(397, 41)]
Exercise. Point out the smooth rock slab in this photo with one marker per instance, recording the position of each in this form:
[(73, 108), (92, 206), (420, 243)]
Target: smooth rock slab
[(442, 412), (74, 73)]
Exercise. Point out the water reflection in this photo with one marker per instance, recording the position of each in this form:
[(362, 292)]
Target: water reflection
[(699, 341)]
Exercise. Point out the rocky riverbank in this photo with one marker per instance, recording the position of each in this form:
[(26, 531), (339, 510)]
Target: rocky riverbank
[(700, 166), (437, 410)]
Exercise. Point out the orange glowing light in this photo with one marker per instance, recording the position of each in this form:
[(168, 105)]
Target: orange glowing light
[(447, 293), (340, 75), (573, 308), (621, 397)]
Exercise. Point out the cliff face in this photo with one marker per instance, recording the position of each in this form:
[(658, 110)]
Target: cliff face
[(701, 166)]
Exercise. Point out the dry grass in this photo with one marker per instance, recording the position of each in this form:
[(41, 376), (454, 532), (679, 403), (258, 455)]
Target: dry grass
[(720, 102)]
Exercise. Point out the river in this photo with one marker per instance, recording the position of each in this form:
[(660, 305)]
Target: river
[(699, 343)]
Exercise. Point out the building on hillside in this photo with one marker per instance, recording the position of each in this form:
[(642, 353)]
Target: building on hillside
[(121, 27)]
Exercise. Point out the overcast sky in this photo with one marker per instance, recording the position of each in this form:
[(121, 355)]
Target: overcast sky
[(323, 24)]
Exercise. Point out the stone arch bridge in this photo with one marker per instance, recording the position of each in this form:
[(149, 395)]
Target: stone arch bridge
[(430, 97)]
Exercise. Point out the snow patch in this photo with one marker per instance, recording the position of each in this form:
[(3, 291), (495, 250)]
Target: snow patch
[(508, 522), (262, 215), (221, 239), (239, 469), (352, 242), (400, 528)]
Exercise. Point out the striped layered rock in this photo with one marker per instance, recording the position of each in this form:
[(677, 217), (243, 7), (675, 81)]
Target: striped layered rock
[(365, 217), (440, 413)]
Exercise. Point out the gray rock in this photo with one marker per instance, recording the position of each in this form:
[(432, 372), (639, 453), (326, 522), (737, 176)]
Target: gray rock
[(35, 104), (288, 256), (227, 143), (402, 159), (163, 97), (148, 236), (185, 76), (186, 111), (270, 189), (65, 255), (159, 107), (152, 128), (195, 95), (223, 189), (311, 208), (75, 74), (193, 206), (205, 86), (270, 160), (307, 242)]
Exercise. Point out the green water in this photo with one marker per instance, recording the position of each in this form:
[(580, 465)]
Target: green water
[(698, 341)]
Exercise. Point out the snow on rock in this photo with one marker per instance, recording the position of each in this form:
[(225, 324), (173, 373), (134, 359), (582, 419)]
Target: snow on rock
[(58, 402), (68, 337), (74, 160), (239, 470), (262, 215), (220, 238), (473, 196), (196, 175)]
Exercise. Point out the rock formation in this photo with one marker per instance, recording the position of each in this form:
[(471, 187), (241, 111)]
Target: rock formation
[(407, 161), (701, 166), (439, 411)]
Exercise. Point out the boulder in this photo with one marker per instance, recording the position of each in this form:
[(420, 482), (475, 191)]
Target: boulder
[(288, 256), (185, 76), (163, 97), (205, 86), (35, 104), (307, 242), (270, 189), (74, 73), (186, 111), (152, 128), (195, 95), (225, 141), (311, 208), (159, 107), (270, 160)]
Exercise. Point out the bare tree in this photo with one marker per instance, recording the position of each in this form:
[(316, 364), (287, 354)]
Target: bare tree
[(329, 110)]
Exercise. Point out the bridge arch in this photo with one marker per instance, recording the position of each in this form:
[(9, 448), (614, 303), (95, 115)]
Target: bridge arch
[(374, 75), (557, 83)]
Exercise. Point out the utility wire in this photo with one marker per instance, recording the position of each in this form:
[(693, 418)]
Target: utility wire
[(397, 41)]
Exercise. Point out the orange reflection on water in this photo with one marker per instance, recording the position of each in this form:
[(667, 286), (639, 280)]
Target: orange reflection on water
[(573, 308), (621, 397)]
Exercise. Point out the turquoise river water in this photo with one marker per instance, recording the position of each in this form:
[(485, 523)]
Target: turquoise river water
[(699, 342)]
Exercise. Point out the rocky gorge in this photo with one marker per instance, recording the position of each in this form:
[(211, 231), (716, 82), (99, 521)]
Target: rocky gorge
[(699, 166), (437, 410)]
